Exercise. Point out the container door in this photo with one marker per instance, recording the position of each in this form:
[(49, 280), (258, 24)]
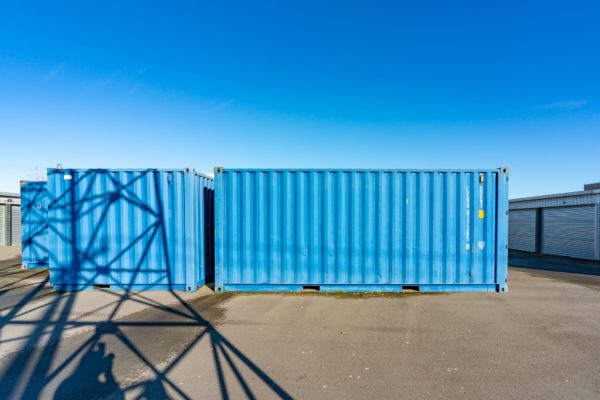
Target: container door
[(569, 231), (118, 227), (34, 227)]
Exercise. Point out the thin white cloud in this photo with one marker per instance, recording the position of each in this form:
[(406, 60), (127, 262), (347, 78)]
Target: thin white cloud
[(213, 107), (54, 72), (565, 105), (123, 77), (36, 174), (134, 89)]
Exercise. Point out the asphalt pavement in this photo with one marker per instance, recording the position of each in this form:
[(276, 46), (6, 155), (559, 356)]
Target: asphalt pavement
[(539, 340)]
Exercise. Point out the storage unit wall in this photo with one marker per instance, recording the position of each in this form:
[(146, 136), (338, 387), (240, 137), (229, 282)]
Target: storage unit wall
[(565, 224)]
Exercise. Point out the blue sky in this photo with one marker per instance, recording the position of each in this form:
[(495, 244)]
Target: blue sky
[(430, 84)]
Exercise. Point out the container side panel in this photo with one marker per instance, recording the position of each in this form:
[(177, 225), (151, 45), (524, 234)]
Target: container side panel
[(335, 227), (221, 242), (502, 232), (124, 228), (34, 224)]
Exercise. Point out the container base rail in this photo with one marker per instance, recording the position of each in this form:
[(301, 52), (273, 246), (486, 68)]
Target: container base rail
[(360, 288)]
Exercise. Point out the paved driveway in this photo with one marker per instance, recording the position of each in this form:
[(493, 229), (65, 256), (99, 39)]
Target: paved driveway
[(540, 340)]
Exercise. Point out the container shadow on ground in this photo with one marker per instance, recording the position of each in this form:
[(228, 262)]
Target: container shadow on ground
[(41, 362), (544, 262)]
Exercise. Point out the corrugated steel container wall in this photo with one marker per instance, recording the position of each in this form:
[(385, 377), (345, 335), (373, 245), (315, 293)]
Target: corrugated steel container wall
[(522, 230), (361, 230), (130, 229), (34, 224), (570, 231)]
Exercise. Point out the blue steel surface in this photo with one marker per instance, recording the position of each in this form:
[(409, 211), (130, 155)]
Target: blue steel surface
[(34, 224), (360, 288), (127, 228), (359, 227), (495, 170), (502, 229)]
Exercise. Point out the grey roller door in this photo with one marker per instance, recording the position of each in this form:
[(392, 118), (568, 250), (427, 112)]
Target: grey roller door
[(569, 231), (2, 225), (15, 225), (522, 230)]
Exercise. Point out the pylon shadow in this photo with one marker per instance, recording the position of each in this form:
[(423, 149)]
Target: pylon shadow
[(42, 362)]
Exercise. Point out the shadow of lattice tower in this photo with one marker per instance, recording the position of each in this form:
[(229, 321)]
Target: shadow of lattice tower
[(34, 224), (128, 229)]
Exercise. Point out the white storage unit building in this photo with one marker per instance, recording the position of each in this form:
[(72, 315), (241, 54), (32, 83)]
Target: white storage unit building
[(10, 219), (2, 225), (566, 224), (15, 225)]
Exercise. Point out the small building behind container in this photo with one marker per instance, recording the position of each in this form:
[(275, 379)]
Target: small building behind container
[(34, 224), (129, 229), (361, 230), (10, 219), (563, 224)]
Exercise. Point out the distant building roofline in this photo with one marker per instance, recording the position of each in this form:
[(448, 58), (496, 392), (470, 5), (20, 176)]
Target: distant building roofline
[(557, 195), (8, 194)]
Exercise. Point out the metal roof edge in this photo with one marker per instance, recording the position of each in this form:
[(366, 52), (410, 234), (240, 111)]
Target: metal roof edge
[(118, 169), (495, 170), (184, 170), (556, 196)]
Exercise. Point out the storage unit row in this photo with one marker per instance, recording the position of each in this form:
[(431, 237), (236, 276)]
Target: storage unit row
[(562, 225)]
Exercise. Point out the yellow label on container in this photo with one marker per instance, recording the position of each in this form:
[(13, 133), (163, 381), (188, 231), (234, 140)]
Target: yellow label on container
[(481, 214)]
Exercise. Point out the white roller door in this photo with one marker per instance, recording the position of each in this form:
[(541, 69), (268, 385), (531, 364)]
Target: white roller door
[(15, 225), (570, 231), (522, 230), (2, 225)]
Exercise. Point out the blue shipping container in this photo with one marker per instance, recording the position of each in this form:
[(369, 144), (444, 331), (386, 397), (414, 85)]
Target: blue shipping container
[(361, 230), (130, 229), (34, 224)]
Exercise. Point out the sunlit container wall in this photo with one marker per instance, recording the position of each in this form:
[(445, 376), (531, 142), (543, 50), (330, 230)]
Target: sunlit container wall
[(34, 224), (361, 230), (129, 229)]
